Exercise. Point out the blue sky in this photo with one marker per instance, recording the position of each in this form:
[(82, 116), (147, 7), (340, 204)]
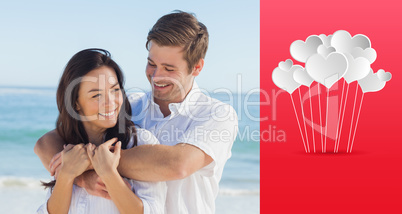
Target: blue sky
[(37, 39)]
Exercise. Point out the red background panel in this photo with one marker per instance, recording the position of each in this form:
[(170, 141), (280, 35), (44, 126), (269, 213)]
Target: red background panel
[(370, 179)]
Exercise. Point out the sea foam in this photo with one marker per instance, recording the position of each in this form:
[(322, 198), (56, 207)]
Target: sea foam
[(20, 182)]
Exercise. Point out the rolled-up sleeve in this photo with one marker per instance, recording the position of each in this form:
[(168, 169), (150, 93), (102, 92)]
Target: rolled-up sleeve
[(215, 137)]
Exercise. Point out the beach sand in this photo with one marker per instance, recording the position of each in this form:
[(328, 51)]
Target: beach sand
[(21, 200)]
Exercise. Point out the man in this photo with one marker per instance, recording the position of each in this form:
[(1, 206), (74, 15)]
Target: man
[(196, 132)]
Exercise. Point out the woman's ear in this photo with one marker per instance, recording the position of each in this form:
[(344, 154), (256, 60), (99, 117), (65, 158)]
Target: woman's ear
[(77, 106), (198, 67)]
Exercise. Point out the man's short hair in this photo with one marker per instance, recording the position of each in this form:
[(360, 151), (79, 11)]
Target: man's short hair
[(184, 30)]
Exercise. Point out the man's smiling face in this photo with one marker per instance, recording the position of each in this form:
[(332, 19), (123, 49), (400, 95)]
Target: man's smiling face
[(168, 73)]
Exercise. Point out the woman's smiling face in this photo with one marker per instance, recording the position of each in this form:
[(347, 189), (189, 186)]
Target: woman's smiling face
[(100, 98)]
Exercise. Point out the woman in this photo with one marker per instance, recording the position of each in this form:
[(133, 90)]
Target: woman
[(93, 108)]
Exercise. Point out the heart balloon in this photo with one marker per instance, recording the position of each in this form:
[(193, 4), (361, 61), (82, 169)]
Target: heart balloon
[(369, 53), (343, 42), (301, 50), (324, 50), (384, 76), (358, 68), (285, 66), (284, 79), (301, 76), (326, 40), (327, 70), (371, 83)]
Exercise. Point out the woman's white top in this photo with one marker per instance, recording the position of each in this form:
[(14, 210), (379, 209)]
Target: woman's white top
[(152, 194)]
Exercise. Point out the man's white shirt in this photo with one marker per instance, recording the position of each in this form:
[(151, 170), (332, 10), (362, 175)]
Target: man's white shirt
[(201, 121)]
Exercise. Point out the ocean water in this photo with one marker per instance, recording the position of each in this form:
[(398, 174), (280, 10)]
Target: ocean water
[(28, 113)]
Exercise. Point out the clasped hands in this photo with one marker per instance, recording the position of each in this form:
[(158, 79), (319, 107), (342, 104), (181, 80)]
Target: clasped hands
[(77, 162)]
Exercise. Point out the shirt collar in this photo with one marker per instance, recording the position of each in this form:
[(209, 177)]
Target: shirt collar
[(180, 108)]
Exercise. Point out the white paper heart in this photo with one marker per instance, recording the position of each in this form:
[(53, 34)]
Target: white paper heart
[(301, 76), (326, 40), (357, 68), (343, 42), (369, 53), (284, 79), (286, 65), (325, 51), (371, 83), (384, 76), (329, 70), (301, 50)]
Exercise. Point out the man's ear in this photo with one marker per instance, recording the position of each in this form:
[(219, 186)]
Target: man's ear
[(198, 67)]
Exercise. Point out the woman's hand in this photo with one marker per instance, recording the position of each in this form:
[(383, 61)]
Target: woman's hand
[(74, 160), (105, 158)]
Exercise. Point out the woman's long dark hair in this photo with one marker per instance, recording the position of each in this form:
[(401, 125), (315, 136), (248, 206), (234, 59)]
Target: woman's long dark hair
[(68, 124)]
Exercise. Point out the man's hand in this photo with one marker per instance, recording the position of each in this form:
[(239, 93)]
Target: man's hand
[(75, 160), (55, 163)]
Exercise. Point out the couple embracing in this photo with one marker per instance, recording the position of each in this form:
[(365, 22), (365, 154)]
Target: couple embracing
[(160, 152)]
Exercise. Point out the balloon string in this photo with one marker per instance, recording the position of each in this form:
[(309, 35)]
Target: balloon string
[(304, 122), (341, 113), (339, 118), (319, 106), (343, 116), (326, 123), (298, 123), (351, 123), (312, 119), (357, 120)]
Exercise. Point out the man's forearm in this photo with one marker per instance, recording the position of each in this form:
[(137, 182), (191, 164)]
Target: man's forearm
[(150, 163), (48, 146), (161, 162)]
